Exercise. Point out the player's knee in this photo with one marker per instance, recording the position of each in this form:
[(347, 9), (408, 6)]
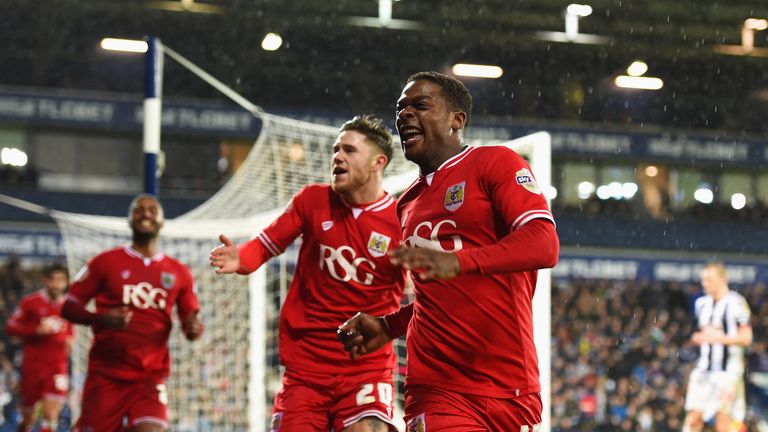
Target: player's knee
[(368, 424), (693, 422), (724, 423), (148, 427)]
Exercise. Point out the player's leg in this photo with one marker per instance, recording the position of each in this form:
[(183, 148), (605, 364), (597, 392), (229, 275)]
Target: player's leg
[(733, 406), (303, 403), (31, 393), (148, 427), (50, 417), (368, 424), (698, 398), (723, 422), (102, 407), (28, 418), (694, 421), (148, 408), (54, 397), (363, 402), (441, 411), (521, 413)]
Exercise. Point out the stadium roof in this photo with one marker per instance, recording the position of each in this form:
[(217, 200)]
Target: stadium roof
[(336, 55)]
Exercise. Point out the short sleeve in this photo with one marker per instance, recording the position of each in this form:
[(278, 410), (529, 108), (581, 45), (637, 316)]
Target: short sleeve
[(513, 190), (741, 313), (87, 282), (275, 238)]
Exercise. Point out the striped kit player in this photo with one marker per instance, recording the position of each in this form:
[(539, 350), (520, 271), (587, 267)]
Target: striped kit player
[(716, 385)]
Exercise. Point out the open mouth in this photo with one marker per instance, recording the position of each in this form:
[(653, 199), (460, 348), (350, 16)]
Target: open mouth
[(338, 171), (410, 134), (146, 223)]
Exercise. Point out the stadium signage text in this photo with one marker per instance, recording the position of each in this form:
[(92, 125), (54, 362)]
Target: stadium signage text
[(125, 112), (666, 270)]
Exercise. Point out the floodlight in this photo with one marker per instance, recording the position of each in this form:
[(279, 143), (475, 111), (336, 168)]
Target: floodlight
[(579, 10), (572, 14), (271, 42), (477, 71), (638, 82), (124, 45), (637, 68)]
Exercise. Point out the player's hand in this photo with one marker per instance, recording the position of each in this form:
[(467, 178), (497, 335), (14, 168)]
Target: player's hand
[(225, 257), (363, 334), (426, 264), (698, 338), (116, 318), (708, 335), (192, 327), (47, 327)]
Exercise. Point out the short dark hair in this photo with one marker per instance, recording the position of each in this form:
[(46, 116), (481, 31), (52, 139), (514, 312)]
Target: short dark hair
[(52, 268), (141, 196), (456, 93), (373, 129)]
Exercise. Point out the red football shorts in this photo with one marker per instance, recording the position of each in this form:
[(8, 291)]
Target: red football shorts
[(109, 404), (38, 386), (314, 402), (431, 410)]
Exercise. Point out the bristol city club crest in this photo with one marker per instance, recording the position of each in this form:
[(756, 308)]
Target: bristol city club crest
[(167, 280), (525, 179), (454, 197), (378, 244), (277, 420), (417, 424)]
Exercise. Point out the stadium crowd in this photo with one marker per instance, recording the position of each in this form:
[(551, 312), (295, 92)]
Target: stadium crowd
[(621, 352)]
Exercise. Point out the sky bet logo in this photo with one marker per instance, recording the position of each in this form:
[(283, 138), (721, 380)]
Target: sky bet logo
[(144, 296)]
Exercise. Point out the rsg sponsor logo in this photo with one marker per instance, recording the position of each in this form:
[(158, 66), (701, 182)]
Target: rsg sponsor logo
[(144, 296), (344, 265), (427, 236)]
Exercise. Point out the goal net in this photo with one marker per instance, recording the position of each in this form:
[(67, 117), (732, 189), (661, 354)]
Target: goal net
[(227, 380)]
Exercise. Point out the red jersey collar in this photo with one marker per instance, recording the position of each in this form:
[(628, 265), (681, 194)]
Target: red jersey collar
[(450, 163), (378, 205), (136, 254), (46, 297)]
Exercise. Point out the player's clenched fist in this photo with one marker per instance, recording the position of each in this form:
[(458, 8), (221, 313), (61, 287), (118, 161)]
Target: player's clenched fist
[(192, 327), (363, 334), (425, 263), (116, 318)]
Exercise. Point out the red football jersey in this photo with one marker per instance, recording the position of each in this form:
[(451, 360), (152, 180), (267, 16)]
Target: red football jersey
[(150, 287), (342, 268), (43, 354), (474, 333)]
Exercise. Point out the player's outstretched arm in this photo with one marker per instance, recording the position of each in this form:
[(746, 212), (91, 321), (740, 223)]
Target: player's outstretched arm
[(363, 334), (225, 257)]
